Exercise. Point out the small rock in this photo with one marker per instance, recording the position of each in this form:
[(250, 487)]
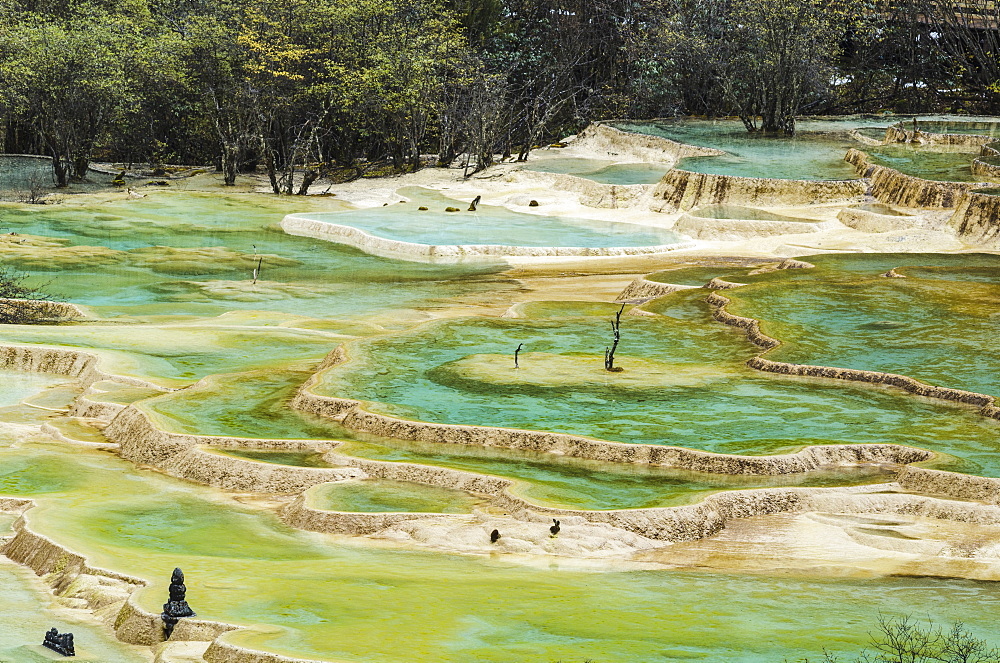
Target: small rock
[(533, 203)]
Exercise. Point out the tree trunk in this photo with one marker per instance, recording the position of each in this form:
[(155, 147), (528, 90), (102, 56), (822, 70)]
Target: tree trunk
[(230, 163), (308, 177), (59, 168), (272, 174)]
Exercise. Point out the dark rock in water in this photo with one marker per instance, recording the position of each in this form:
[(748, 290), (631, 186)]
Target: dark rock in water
[(59, 642), (158, 183), (177, 606), (472, 207), (494, 536), (451, 209), (533, 203)]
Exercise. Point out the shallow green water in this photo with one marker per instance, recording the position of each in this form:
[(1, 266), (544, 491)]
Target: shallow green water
[(293, 458), (26, 613), (581, 484), (384, 495), (740, 212), (175, 355), (489, 225), (806, 156), (183, 253), (331, 599), (922, 162), (601, 171), (18, 386), (939, 328), (250, 404)]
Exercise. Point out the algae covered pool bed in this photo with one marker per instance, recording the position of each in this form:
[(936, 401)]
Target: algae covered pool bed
[(280, 439)]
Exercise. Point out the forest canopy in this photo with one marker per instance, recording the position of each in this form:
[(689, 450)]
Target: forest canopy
[(298, 88)]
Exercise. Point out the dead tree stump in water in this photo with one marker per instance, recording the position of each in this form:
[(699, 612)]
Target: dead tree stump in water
[(609, 353)]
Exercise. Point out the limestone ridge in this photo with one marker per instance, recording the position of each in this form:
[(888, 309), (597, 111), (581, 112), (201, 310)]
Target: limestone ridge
[(752, 329), (892, 187), (681, 190)]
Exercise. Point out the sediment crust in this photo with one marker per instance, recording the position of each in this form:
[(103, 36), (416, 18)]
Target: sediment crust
[(679, 523), (224, 652), (898, 134), (865, 140), (641, 290), (749, 325), (91, 409), (787, 263), (733, 229), (719, 284), (951, 484), (985, 169), (297, 224), (301, 516), (906, 383), (873, 222), (708, 517), (113, 594), (592, 194), (71, 363), (684, 190), (603, 137), (182, 455), (977, 219), (892, 187), (46, 311)]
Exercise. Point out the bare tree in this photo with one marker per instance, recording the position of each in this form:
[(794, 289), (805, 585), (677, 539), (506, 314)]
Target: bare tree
[(609, 353)]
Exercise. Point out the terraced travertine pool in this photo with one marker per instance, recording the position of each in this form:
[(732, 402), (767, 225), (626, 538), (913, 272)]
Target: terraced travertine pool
[(817, 150), (330, 598), (599, 170), (809, 155), (170, 276), (490, 225)]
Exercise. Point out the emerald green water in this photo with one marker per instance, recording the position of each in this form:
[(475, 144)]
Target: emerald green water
[(935, 325), (816, 152), (715, 403), (191, 253), (939, 165)]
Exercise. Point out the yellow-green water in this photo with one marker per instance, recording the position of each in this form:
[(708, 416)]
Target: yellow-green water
[(329, 597), (171, 274)]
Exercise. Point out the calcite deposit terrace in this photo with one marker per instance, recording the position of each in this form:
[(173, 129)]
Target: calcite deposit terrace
[(804, 430)]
